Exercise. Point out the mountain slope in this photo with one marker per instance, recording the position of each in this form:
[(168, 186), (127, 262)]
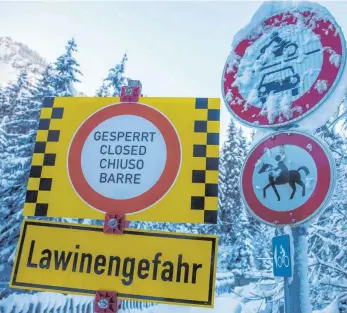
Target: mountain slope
[(15, 57)]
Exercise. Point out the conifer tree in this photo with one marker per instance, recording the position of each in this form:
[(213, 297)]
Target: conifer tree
[(15, 95), (18, 129), (2, 99), (103, 91), (328, 235), (262, 247), (242, 259), (44, 86), (113, 83), (66, 71), (229, 196)]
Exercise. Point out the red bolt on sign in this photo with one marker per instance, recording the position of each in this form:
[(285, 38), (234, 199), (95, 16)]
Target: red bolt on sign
[(130, 94), (106, 302), (114, 224)]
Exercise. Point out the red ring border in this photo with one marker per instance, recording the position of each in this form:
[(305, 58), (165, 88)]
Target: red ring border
[(319, 196), (148, 198), (312, 97)]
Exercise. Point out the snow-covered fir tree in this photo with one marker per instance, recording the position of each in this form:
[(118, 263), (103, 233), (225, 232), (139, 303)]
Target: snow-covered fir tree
[(66, 72), (18, 126), (15, 95), (113, 83), (2, 97), (328, 236), (262, 247), (242, 260), (229, 195), (44, 86), (261, 234), (235, 227), (4, 105), (243, 151), (103, 91)]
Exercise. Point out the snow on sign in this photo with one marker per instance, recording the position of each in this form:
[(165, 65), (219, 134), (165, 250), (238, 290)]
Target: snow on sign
[(287, 178), (139, 265), (156, 160), (284, 68)]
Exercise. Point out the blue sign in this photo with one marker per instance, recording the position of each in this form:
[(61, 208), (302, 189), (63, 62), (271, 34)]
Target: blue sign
[(281, 256)]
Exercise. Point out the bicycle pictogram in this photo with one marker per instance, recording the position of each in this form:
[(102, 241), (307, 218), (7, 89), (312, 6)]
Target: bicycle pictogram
[(282, 259), (281, 256)]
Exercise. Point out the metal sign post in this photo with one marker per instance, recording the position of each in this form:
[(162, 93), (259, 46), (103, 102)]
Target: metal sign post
[(296, 288)]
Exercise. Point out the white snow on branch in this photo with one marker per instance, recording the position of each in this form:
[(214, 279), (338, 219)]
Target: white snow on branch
[(335, 59), (333, 307), (233, 62), (42, 302), (279, 106), (321, 86), (309, 182), (229, 96)]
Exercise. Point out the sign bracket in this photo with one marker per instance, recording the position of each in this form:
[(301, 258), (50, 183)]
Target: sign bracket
[(132, 92), (106, 302), (115, 224)]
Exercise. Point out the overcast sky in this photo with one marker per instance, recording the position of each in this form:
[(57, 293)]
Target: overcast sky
[(175, 48)]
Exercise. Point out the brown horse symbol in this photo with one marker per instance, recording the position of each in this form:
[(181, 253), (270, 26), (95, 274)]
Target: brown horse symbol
[(291, 177)]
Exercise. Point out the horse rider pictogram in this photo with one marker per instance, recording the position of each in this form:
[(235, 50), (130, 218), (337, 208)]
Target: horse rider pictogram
[(281, 175)]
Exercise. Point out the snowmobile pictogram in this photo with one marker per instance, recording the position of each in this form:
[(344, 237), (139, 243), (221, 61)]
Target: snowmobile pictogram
[(281, 47)]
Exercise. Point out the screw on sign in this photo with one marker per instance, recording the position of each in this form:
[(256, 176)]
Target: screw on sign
[(122, 145), (287, 178), (284, 69)]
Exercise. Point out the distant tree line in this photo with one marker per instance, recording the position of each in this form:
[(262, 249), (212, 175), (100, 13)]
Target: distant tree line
[(20, 105)]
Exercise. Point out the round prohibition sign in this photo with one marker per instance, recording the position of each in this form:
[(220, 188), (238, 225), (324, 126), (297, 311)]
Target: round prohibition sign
[(287, 178), (112, 144), (294, 63)]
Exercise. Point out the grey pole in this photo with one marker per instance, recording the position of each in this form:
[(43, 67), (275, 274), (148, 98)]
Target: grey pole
[(296, 289)]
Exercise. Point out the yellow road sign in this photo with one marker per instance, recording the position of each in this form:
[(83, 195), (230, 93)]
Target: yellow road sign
[(142, 265), (156, 160)]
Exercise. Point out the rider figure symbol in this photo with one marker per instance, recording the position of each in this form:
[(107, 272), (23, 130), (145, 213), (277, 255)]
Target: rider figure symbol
[(285, 176), (281, 166)]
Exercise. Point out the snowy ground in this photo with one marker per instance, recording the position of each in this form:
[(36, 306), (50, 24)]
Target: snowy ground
[(228, 304), (223, 304), (55, 302)]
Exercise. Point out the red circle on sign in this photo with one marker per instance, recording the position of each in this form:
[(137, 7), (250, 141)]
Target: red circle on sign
[(146, 199), (331, 39), (321, 194)]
